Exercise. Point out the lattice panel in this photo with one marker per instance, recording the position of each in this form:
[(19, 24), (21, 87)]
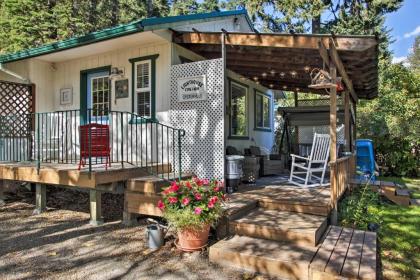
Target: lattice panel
[(16, 103), (203, 121)]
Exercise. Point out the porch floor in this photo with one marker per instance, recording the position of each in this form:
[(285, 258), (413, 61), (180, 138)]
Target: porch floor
[(274, 192), (69, 175)]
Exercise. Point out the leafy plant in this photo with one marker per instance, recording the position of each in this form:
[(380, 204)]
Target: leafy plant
[(193, 203), (356, 210)]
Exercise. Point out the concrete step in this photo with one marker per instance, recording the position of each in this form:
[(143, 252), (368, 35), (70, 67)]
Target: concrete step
[(302, 229), (153, 184), (276, 259)]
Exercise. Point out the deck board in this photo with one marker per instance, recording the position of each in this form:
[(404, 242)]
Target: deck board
[(345, 253), (69, 175)]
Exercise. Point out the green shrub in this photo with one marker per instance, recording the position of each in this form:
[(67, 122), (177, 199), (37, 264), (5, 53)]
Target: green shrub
[(358, 209)]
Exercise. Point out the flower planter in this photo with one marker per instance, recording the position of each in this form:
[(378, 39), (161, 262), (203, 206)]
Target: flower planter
[(192, 239)]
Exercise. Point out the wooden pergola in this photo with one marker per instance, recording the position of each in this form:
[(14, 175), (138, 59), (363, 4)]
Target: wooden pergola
[(283, 62)]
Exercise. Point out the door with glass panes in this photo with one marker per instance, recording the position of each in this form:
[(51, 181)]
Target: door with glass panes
[(99, 96)]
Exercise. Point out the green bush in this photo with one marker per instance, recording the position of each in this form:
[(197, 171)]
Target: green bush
[(357, 209), (392, 120)]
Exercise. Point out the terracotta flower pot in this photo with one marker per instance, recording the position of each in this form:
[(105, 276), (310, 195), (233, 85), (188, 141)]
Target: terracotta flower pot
[(193, 240)]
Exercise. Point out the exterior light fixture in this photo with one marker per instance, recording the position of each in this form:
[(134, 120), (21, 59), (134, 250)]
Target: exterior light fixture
[(255, 78), (297, 89), (264, 74), (272, 72), (271, 85), (284, 87), (306, 69), (293, 73), (282, 74)]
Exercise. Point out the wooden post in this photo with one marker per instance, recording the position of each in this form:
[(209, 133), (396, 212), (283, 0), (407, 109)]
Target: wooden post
[(347, 120), (2, 198), (129, 219), (40, 199), (95, 208), (354, 127), (333, 146)]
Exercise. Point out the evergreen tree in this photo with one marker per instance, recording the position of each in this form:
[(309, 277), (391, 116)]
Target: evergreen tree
[(414, 56)]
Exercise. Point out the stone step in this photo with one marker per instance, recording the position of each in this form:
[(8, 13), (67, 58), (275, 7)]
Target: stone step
[(302, 229), (153, 184), (275, 259), (402, 192)]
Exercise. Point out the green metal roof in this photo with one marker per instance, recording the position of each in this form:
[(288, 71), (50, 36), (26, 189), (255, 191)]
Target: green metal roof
[(115, 32)]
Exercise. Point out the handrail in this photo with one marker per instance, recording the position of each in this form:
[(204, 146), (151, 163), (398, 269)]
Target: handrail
[(54, 137), (341, 172)]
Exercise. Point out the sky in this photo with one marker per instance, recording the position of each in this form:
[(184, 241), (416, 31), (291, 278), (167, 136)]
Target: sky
[(405, 26)]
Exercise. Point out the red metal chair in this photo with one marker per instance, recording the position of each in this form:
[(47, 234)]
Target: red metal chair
[(99, 143)]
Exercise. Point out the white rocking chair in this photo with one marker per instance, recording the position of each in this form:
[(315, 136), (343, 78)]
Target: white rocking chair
[(315, 163)]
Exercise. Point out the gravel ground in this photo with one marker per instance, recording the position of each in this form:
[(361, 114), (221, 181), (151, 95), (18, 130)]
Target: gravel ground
[(59, 244)]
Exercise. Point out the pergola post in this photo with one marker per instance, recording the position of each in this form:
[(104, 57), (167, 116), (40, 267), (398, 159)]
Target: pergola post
[(333, 145), (347, 120)]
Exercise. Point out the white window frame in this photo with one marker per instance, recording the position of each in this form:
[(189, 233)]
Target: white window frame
[(140, 90), (92, 92)]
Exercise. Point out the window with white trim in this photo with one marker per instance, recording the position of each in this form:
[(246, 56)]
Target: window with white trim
[(143, 87)]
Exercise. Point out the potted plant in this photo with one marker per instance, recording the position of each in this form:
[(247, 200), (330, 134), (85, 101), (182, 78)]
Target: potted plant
[(190, 207)]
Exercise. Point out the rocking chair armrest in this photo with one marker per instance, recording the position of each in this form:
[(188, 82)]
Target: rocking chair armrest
[(296, 156)]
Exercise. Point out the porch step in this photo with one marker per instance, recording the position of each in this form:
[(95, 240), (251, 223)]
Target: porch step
[(234, 209), (392, 194), (153, 184), (302, 229), (275, 259), (294, 206)]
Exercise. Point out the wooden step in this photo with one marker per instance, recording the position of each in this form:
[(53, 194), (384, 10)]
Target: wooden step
[(391, 194), (153, 184), (294, 206), (275, 259), (234, 209), (302, 229), (345, 253), (143, 204)]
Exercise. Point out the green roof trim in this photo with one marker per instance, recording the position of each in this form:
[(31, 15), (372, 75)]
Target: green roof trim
[(114, 32)]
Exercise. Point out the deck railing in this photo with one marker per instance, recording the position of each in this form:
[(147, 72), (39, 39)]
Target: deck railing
[(341, 172), (54, 137)]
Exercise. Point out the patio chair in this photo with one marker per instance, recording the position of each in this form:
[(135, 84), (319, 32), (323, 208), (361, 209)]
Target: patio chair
[(94, 142), (315, 163)]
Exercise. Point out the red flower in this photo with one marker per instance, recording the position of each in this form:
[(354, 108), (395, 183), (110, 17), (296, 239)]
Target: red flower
[(197, 210), (188, 184), (197, 196), (214, 199), (160, 205), (210, 204), (224, 197), (174, 187), (173, 200), (185, 201), (198, 181), (216, 189), (167, 191), (205, 182)]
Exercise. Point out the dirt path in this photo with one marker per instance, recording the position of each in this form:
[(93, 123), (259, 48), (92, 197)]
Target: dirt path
[(59, 244)]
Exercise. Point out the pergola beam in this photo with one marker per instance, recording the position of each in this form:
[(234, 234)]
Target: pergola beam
[(279, 40), (331, 55)]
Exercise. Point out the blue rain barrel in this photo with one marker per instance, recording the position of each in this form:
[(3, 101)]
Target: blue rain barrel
[(365, 161)]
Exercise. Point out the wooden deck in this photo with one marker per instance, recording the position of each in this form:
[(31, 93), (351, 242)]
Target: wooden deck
[(276, 193), (69, 175), (345, 253)]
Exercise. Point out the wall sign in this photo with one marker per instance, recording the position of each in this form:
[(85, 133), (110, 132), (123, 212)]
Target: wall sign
[(192, 88), (121, 88)]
